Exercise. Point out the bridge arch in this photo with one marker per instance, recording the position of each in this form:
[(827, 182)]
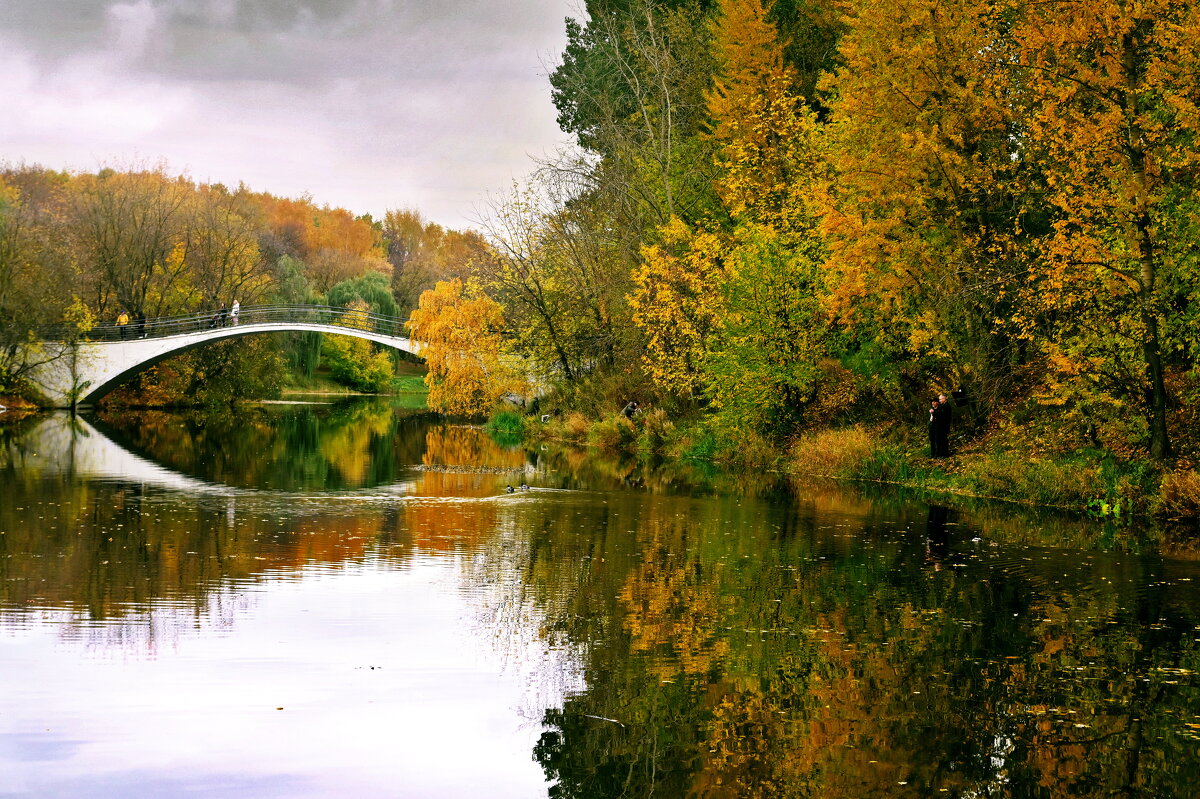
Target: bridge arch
[(79, 373)]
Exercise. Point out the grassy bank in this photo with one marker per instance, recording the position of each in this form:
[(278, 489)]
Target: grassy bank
[(1088, 480), (408, 383), (999, 465)]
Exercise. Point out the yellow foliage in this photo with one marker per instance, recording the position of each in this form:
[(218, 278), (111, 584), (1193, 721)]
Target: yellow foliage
[(677, 300), (460, 334)]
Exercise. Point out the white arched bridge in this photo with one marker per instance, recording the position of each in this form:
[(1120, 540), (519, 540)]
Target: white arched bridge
[(71, 371)]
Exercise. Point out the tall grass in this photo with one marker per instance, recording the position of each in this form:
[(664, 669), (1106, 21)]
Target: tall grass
[(833, 453), (613, 434)]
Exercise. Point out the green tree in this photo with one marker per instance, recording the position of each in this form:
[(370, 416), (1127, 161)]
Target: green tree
[(355, 361), (372, 289)]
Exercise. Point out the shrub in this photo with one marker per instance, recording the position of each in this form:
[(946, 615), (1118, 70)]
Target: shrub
[(889, 465), (655, 429), (355, 363), (613, 434), (1179, 496), (506, 428), (506, 423), (575, 426), (699, 444), (1046, 482)]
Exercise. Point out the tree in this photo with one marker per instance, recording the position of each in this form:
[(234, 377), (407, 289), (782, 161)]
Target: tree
[(530, 273), (1111, 93), (631, 87), (678, 302), (733, 310), (356, 361), (130, 231), (221, 249), (371, 291), (763, 366), (410, 243), (920, 210), (37, 269), (460, 333)]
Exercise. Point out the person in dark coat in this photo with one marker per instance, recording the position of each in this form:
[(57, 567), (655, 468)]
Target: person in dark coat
[(940, 417), (930, 427)]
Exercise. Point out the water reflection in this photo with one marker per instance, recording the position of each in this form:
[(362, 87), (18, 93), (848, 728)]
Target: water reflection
[(638, 631)]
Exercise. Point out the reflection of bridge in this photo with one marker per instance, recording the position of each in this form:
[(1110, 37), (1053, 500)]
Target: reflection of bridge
[(71, 373), (66, 444)]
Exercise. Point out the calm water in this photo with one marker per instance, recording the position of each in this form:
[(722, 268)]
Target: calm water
[(320, 601)]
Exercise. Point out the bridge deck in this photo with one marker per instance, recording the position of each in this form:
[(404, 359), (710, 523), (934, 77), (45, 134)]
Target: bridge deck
[(325, 315)]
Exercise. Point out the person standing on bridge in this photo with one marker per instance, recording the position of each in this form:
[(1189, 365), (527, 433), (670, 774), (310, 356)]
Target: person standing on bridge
[(122, 323), (233, 312)]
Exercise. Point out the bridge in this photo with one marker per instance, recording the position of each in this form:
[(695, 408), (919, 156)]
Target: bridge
[(71, 372)]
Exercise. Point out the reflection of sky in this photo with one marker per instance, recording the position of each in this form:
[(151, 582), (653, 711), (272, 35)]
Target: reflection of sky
[(386, 690)]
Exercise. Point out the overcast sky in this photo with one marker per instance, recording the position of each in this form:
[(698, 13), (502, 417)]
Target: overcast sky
[(364, 104)]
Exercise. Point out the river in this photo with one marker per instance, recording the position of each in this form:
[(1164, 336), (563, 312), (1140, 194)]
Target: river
[(333, 600)]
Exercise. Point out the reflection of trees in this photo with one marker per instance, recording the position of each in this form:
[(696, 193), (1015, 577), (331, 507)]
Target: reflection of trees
[(464, 468), (725, 646), (740, 656), (467, 447), (349, 445), (106, 551)]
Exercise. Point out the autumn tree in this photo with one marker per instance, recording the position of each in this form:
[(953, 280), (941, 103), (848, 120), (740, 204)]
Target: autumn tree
[(1111, 95), (765, 364), (334, 244), (129, 228), (920, 211), (678, 302), (221, 249), (36, 268), (558, 276), (460, 334), (732, 309), (410, 243)]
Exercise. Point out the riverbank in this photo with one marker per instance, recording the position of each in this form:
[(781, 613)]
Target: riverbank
[(409, 379), (1089, 480), (1004, 464)]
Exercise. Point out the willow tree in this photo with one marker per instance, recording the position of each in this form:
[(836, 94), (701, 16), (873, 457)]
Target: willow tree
[(459, 331)]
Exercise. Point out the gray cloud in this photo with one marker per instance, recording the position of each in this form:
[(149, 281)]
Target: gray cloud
[(371, 104)]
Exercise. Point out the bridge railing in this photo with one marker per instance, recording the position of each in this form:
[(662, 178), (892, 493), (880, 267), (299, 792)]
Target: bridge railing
[(247, 315)]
